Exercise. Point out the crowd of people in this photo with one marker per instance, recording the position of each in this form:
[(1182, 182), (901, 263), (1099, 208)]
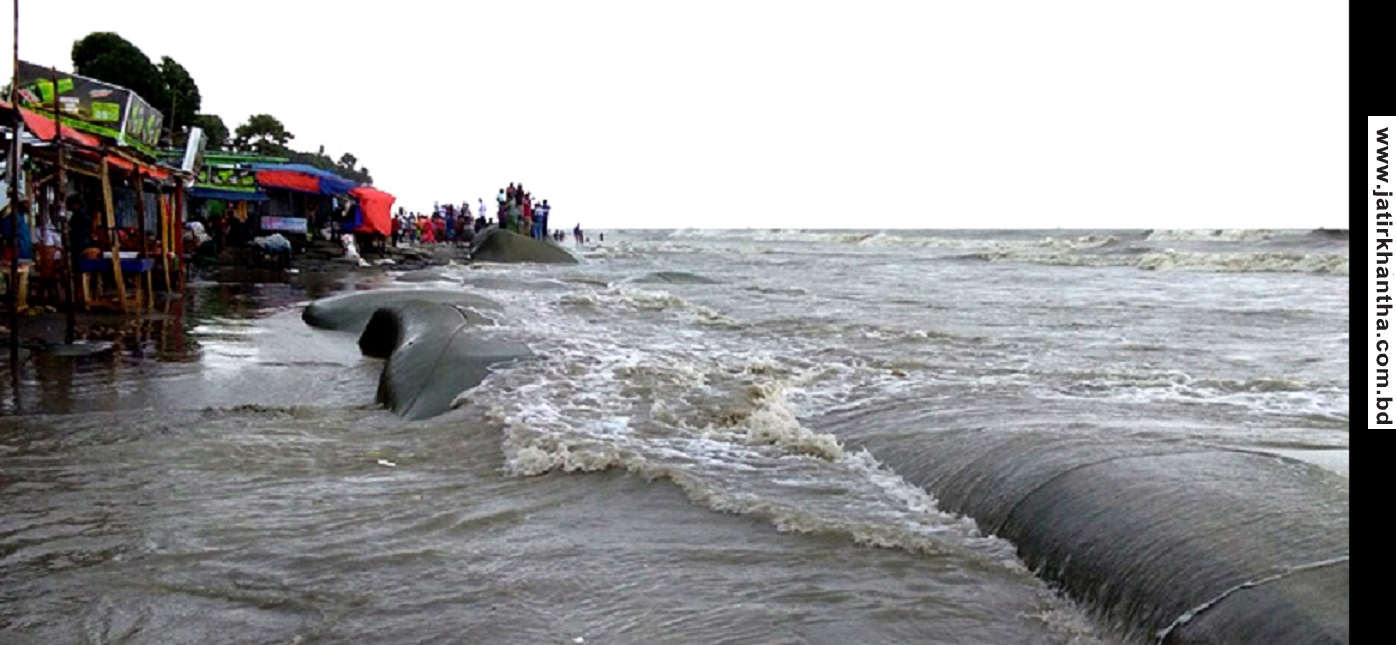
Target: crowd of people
[(521, 213), (517, 211), (446, 224)]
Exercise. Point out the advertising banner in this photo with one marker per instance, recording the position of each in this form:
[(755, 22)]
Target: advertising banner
[(234, 178), (91, 106), (285, 224)]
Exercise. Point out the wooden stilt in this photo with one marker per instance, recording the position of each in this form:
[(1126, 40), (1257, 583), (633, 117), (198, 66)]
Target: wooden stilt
[(179, 234), (110, 219), (69, 266), (143, 244), (165, 241)]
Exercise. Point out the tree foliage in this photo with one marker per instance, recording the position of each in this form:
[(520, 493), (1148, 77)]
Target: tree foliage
[(183, 93), (263, 134), (348, 167), (214, 130), (108, 57), (324, 162)]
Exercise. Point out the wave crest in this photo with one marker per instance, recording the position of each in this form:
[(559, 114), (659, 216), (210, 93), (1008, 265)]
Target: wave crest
[(1172, 260)]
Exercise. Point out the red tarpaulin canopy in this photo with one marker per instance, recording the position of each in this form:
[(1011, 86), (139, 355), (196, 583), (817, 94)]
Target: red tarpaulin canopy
[(378, 210), (43, 126), (289, 180)]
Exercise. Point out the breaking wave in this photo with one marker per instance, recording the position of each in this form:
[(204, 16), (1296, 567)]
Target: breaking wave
[(1172, 260), (1274, 396), (717, 418), (875, 239), (741, 451), (1211, 235)]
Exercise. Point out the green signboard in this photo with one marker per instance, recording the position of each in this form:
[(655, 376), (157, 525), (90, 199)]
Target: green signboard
[(234, 178), (92, 106)]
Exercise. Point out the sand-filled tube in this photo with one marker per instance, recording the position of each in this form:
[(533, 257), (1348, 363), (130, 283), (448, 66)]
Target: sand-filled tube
[(426, 338), (1172, 544), (352, 311), (430, 356), (498, 245)]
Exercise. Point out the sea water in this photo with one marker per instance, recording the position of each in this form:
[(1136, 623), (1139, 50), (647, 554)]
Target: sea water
[(685, 461)]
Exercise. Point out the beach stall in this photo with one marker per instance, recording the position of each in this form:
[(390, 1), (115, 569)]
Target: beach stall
[(229, 177), (99, 185), (303, 197), (225, 200)]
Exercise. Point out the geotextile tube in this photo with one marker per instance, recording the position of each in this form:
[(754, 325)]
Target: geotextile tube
[(432, 356), (498, 245), (1174, 544), (352, 311)]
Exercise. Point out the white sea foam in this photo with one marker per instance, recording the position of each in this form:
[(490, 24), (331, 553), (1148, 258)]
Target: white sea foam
[(1170, 259), (719, 418), (1255, 262), (1271, 396), (879, 239), (1212, 235)]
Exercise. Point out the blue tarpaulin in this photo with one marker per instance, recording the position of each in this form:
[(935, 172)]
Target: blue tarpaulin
[(354, 222), (302, 177)]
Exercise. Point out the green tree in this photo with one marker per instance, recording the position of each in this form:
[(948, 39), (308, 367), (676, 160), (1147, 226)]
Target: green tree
[(345, 167), (348, 167), (317, 159), (264, 134), (214, 130), (108, 57), (183, 93)]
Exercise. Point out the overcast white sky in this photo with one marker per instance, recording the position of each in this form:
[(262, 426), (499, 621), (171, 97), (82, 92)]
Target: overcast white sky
[(769, 114)]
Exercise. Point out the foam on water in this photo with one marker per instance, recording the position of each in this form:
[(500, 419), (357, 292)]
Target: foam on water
[(1272, 396), (874, 240), (1253, 251), (1259, 262), (715, 416), (1174, 260), (1212, 235)]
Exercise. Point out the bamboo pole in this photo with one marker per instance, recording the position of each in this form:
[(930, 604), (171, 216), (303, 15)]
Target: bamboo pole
[(163, 203), (110, 220), (69, 266), (140, 211), (13, 180), (141, 243), (15, 158), (179, 234)]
